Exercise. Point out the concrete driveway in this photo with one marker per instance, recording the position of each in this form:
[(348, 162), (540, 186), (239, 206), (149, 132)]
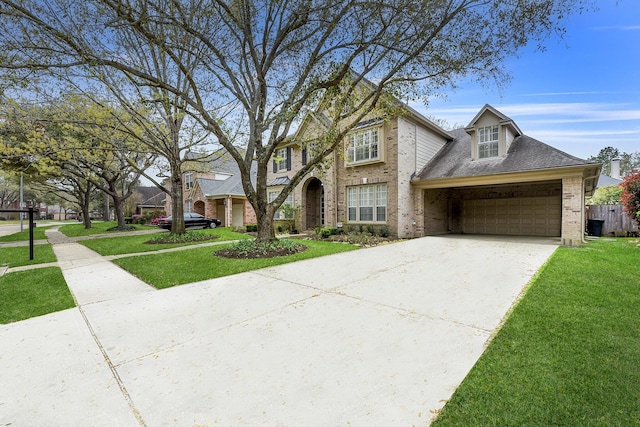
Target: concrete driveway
[(375, 337)]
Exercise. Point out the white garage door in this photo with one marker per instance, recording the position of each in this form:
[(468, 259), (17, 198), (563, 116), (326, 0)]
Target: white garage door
[(525, 216)]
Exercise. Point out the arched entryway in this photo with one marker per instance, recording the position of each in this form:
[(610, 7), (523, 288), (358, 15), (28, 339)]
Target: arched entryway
[(314, 204), (198, 207)]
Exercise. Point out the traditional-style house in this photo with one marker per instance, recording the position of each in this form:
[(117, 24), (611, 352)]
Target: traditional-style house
[(149, 199), (412, 177), (215, 190)]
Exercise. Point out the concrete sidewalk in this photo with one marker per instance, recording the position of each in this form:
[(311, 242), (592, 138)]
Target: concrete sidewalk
[(374, 337)]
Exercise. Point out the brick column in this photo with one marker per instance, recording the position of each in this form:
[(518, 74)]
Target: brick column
[(572, 211), (418, 212)]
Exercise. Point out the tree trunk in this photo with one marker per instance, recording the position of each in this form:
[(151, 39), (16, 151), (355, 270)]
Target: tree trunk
[(264, 218), (266, 229), (119, 210), (86, 219), (177, 207)]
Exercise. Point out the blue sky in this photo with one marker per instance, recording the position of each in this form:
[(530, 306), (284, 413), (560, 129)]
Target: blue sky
[(580, 95)]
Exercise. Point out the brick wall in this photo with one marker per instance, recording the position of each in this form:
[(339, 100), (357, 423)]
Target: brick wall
[(374, 173), (572, 211), (436, 217)]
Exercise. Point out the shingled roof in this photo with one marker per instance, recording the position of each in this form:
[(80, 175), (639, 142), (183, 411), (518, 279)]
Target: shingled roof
[(231, 186), (525, 154), (151, 196)]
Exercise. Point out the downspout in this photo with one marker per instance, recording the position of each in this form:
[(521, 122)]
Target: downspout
[(584, 183)]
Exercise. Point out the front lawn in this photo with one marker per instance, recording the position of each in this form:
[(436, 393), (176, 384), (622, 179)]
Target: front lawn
[(19, 255), (97, 227), (38, 234), (26, 294), (568, 355), (193, 265), (138, 242)]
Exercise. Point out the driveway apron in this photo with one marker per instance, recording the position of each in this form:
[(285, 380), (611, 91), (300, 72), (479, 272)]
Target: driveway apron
[(374, 337)]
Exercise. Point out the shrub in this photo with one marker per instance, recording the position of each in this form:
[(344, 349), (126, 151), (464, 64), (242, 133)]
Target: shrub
[(363, 239), (385, 231), (251, 228), (326, 232), (151, 215), (187, 236), (631, 195), (250, 248)]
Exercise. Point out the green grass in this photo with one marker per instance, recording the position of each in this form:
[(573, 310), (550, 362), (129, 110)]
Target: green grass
[(19, 256), (38, 234), (137, 243), (26, 294), (97, 227), (569, 353), (177, 268)]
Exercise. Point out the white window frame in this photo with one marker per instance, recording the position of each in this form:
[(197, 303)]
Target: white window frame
[(271, 196), (364, 145), (281, 162), (312, 148), (367, 203), (488, 138), (188, 180)]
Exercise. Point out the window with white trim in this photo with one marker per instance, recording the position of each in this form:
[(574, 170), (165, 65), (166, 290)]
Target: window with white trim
[(281, 213), (188, 206), (488, 142), (281, 159), (363, 145), (367, 203), (188, 180)]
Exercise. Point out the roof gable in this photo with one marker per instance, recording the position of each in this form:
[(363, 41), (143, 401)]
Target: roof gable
[(318, 116), (502, 119)]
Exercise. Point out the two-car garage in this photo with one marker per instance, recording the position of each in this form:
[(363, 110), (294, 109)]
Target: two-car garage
[(524, 209), (523, 216), (526, 188)]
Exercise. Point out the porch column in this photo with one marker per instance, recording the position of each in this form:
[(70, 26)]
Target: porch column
[(228, 212), (572, 211)]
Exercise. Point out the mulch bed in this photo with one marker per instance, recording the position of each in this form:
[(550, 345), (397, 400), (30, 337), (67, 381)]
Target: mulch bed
[(226, 253), (169, 240)]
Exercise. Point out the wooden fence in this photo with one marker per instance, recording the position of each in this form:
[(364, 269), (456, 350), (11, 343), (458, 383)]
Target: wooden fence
[(616, 222)]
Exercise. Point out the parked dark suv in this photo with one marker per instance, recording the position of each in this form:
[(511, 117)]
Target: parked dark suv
[(191, 220)]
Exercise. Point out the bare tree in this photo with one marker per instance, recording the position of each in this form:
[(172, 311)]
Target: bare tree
[(254, 69)]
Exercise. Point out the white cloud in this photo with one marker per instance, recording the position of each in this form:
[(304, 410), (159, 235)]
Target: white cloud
[(548, 113), (617, 28)]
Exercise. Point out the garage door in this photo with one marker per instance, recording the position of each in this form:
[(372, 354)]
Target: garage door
[(525, 216)]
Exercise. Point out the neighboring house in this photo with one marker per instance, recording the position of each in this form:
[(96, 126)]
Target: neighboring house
[(417, 179), (149, 199), (613, 178), (606, 181), (215, 191)]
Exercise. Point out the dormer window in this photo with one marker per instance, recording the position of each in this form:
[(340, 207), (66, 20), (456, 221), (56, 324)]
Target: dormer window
[(488, 142)]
